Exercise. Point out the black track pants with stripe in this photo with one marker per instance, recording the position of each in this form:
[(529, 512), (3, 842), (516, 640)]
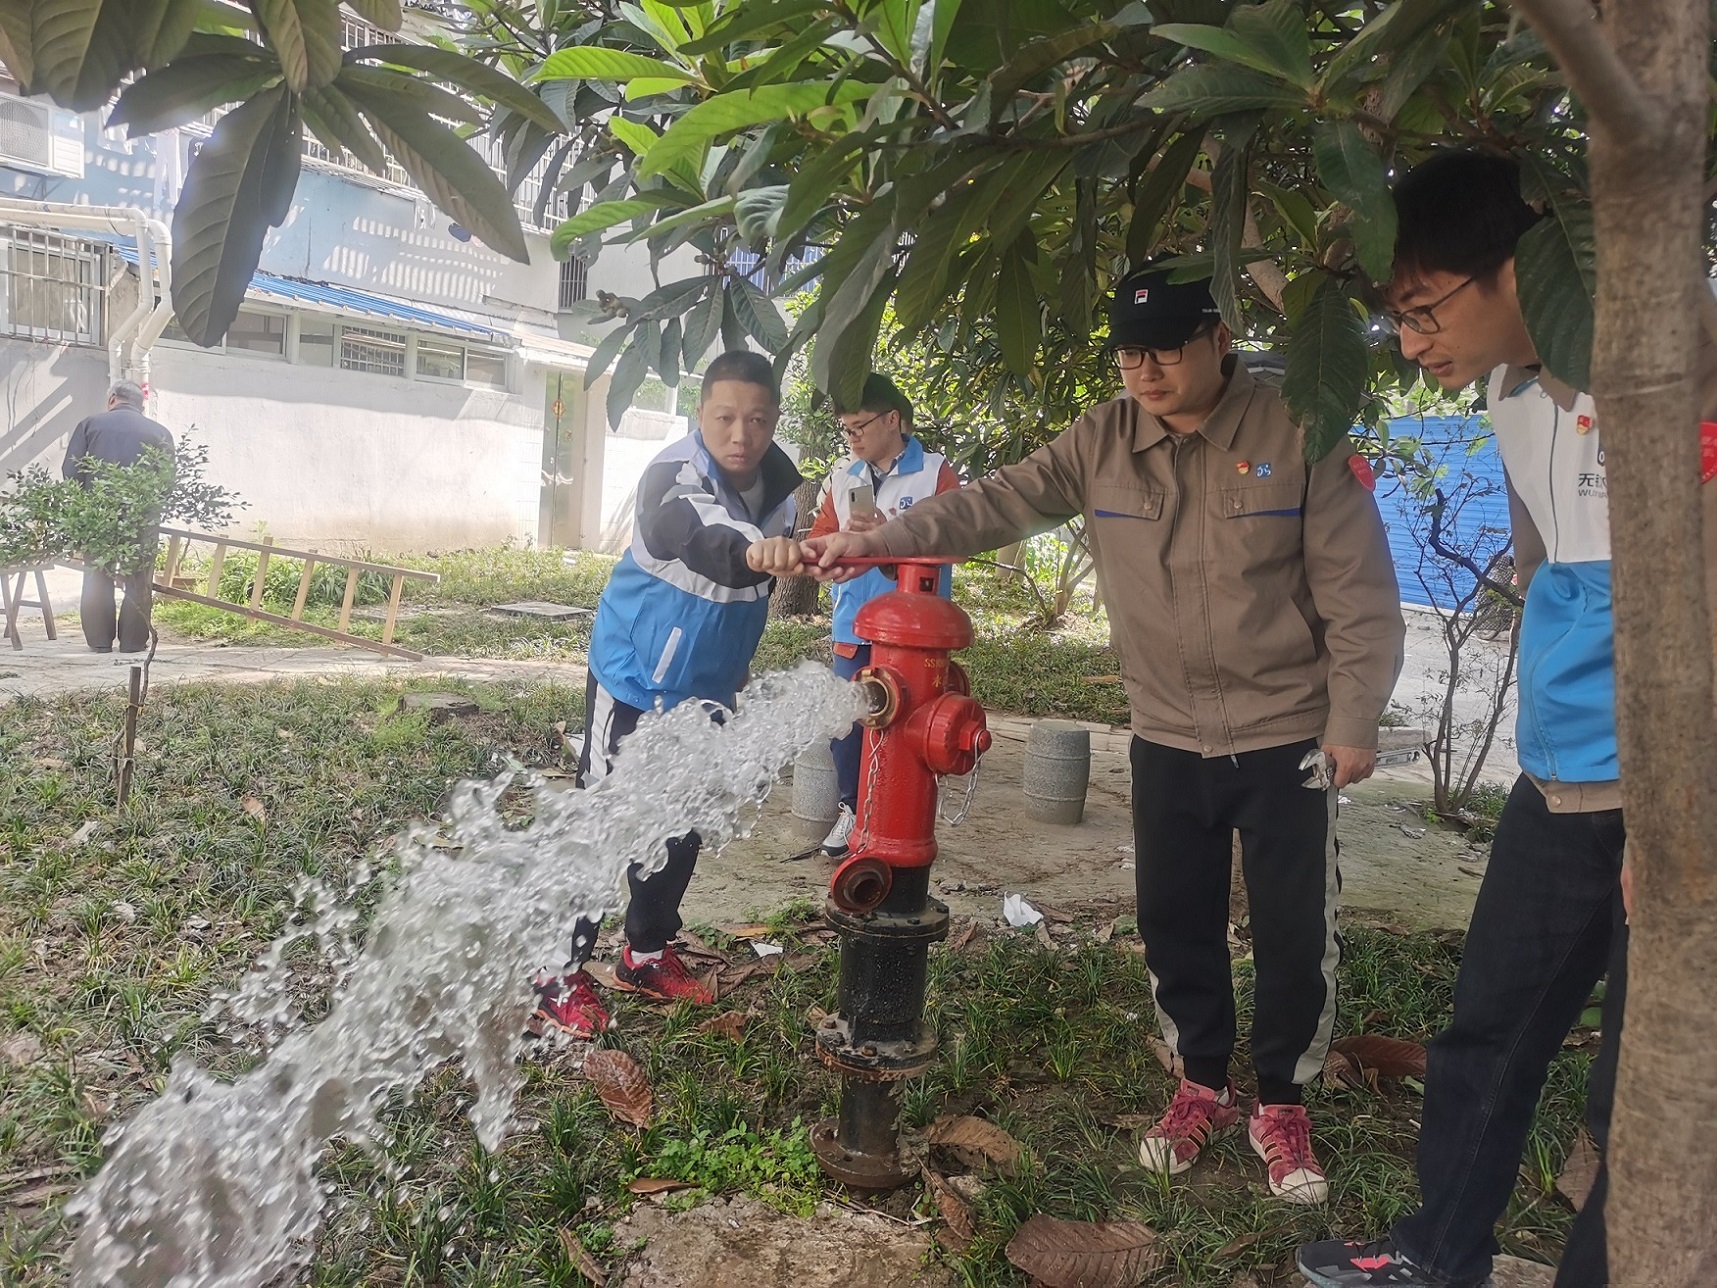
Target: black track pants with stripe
[(1185, 809)]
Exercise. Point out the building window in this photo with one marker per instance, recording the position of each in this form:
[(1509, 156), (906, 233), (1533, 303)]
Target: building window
[(574, 281), (483, 368), (258, 333), (55, 289), (381, 353), (316, 341), (439, 360)]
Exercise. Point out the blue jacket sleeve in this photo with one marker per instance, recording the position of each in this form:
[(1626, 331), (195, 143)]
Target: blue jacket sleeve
[(679, 517)]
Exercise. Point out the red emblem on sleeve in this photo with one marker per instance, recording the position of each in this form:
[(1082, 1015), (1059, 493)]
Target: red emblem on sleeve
[(1707, 451), (1362, 471)]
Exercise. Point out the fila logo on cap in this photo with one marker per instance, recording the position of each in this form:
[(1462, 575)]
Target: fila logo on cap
[(1141, 295)]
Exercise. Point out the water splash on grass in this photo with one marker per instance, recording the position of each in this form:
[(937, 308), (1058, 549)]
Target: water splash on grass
[(213, 1185)]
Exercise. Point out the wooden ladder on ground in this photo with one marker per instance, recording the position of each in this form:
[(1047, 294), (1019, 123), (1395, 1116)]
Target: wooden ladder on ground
[(179, 542)]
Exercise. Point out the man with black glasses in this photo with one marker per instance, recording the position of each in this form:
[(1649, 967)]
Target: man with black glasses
[(1254, 607)]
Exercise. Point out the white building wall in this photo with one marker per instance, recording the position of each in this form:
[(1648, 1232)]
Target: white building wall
[(342, 459)]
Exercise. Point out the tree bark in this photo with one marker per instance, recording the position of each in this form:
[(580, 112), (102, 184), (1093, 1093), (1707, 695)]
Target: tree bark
[(1642, 74), (797, 596)]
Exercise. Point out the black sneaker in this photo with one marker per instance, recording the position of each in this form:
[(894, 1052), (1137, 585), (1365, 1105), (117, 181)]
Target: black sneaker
[(1338, 1264)]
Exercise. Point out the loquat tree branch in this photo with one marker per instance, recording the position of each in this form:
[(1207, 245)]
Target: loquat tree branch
[(1594, 69)]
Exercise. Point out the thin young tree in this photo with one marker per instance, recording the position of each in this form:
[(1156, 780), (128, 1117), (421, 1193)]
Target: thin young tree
[(1641, 72)]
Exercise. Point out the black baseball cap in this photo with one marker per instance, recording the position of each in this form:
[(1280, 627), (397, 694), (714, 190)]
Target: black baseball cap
[(1152, 312)]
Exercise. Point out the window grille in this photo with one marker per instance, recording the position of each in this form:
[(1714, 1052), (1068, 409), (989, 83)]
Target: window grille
[(380, 353), (574, 281), (55, 289)]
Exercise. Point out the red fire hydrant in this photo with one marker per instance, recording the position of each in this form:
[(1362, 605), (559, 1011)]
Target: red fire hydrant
[(923, 725)]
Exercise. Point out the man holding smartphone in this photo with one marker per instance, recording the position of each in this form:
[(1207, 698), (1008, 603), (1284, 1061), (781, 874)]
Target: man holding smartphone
[(888, 471)]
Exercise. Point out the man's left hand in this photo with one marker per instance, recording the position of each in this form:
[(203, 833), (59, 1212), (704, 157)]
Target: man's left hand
[(778, 556), (1350, 764)]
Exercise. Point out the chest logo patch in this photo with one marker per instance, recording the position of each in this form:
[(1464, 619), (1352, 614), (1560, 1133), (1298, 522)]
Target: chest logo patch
[(1583, 424), (1261, 470), (1141, 295), (1362, 471)]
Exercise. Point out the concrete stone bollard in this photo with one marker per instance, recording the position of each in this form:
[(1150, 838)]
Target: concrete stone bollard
[(816, 794), (1057, 771)]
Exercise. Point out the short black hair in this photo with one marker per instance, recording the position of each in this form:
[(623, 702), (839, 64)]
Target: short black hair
[(1460, 211), (881, 395), (745, 365)]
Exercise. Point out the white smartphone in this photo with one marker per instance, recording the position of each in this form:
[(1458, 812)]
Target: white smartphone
[(861, 501)]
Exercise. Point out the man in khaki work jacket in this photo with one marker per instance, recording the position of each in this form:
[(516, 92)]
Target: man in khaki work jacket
[(1254, 608)]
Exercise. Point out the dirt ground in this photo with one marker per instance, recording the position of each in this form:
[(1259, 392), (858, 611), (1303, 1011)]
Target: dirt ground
[(1396, 869)]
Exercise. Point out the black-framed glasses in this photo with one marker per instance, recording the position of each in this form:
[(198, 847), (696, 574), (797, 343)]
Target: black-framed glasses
[(863, 424), (1422, 318), (1129, 356)]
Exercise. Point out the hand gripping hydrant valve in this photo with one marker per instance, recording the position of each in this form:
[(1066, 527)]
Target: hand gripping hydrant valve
[(923, 725)]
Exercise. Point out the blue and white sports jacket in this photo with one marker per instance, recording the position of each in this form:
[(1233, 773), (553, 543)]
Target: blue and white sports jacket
[(1553, 456), (682, 614)]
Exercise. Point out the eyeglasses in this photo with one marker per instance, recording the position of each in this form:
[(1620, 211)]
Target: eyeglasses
[(1129, 356), (1423, 318), (856, 430)]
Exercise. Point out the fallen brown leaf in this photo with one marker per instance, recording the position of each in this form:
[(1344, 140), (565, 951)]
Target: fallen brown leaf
[(1166, 1056), (958, 1228), (1105, 932), (1085, 1254), (581, 1258), (250, 805), (622, 1086), (1042, 935), (1234, 1247), (963, 936), (21, 1050), (1578, 1173), (977, 1142), (729, 1024), (749, 932), (1342, 1071), (1388, 1057), (1056, 914), (732, 979), (657, 1185), (1130, 1122)]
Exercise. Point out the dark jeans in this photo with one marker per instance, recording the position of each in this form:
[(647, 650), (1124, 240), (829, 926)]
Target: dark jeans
[(653, 911), (848, 750), (1547, 926), (1185, 811), (96, 610)]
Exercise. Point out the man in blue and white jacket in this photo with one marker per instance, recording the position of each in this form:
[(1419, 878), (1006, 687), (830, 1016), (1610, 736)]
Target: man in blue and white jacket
[(680, 621), (1551, 916)]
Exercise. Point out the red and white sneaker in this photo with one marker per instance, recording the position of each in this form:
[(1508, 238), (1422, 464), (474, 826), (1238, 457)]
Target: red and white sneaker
[(1194, 1117), (666, 978), (568, 1003), (1281, 1135)]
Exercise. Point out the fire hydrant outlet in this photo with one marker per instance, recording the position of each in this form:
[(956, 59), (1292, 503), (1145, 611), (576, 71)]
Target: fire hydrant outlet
[(954, 734), (861, 884)]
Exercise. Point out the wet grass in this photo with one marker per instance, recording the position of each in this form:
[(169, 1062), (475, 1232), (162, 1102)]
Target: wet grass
[(113, 940)]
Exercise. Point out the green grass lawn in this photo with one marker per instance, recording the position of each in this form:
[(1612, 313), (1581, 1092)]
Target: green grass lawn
[(113, 939), (1015, 666)]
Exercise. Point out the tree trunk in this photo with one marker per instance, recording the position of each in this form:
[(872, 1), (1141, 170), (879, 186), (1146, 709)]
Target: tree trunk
[(797, 596), (1647, 157)]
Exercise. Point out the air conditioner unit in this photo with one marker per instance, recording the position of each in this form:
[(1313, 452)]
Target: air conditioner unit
[(35, 136)]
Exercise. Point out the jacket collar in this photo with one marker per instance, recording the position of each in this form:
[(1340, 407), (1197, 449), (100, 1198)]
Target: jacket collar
[(781, 478), (1517, 380), (910, 460), (1219, 427)]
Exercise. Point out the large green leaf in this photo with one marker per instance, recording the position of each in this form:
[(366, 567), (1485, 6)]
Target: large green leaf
[(234, 186), (1327, 368), (336, 122), (15, 42), (604, 214), (467, 73), (758, 315), (455, 178), (1228, 197), (738, 109), (757, 210), (851, 352), (1038, 56), (1219, 90), (1555, 278), (594, 62), (421, 94), (1354, 173), (629, 374), (306, 36), (1019, 315), (701, 327), (1276, 35), (187, 88), (743, 21), (603, 356), (923, 282), (79, 50), (379, 13), (1158, 193), (160, 29)]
